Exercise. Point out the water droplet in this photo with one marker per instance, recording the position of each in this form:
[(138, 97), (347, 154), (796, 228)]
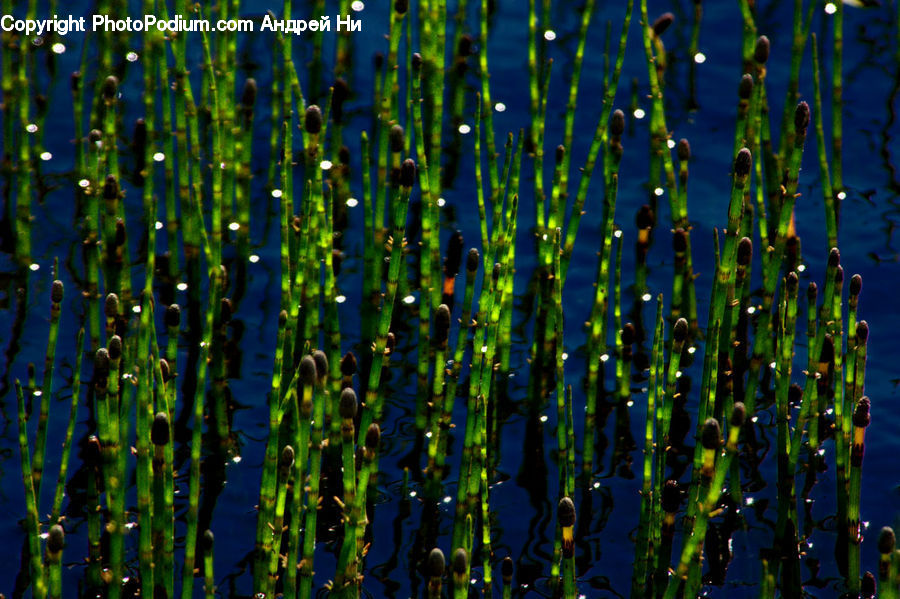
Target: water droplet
[(618, 233), (136, 309), (253, 258), (830, 8), (83, 183), (357, 5), (658, 191), (276, 193), (841, 195), (131, 56), (699, 57), (409, 299), (500, 107), (45, 156), (236, 459), (58, 48), (181, 287), (464, 129), (801, 267), (544, 418), (352, 202), (646, 297), (35, 267), (159, 157), (447, 499), (341, 299), (234, 226), (549, 35), (31, 128), (158, 225), (670, 143), (604, 357), (639, 113), (37, 393), (412, 493), (565, 356), (692, 350), (441, 202), (325, 165)]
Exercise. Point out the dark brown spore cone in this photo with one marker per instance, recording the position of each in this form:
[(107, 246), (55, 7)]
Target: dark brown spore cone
[(671, 496), (340, 93), (56, 291), (811, 292), (436, 563), (761, 52), (287, 457), (886, 540), (248, 96), (75, 81), (565, 512), (617, 123), (401, 6), (792, 282), (472, 260), (738, 414), (110, 188), (56, 539), (308, 371), (711, 437), (801, 118), (742, 163), (464, 48), (855, 285), (321, 361), (173, 316), (95, 136), (862, 332), (861, 416), (348, 364), (745, 88), (208, 540), (282, 318), (495, 273), (348, 404), (313, 120), (395, 138), (139, 138), (662, 23), (101, 366), (159, 432), (110, 86), (679, 241), (408, 173), (506, 569), (867, 586), (827, 355), (628, 334), (454, 254), (795, 394), (373, 437), (834, 258), (416, 61), (226, 308), (92, 452), (560, 153), (460, 562), (744, 251), (114, 347), (683, 149), (164, 370), (644, 218), (680, 331), (441, 325)]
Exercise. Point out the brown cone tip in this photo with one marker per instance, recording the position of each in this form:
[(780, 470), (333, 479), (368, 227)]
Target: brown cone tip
[(164, 369), (761, 52), (867, 586), (679, 241), (472, 260), (416, 61), (811, 292), (454, 254), (738, 414), (742, 163), (114, 347), (711, 437), (834, 258), (101, 363), (140, 135), (248, 97), (680, 331), (227, 309), (173, 316), (313, 120), (560, 153), (321, 361), (617, 123), (644, 218), (287, 457), (401, 6), (75, 80), (745, 88), (827, 354), (886, 540), (208, 540), (628, 335), (110, 188), (795, 394), (436, 563), (159, 432), (506, 567), (745, 251), (282, 318), (373, 437), (861, 416), (683, 149), (671, 496), (565, 512), (792, 282), (662, 23), (56, 291), (801, 116), (408, 173), (56, 539), (111, 307), (464, 48), (460, 561), (395, 138), (855, 285), (348, 404), (495, 273), (95, 135), (862, 332), (348, 364), (308, 371), (110, 85), (441, 324)]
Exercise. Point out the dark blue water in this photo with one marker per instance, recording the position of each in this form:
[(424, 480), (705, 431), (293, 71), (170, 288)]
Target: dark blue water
[(523, 528)]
